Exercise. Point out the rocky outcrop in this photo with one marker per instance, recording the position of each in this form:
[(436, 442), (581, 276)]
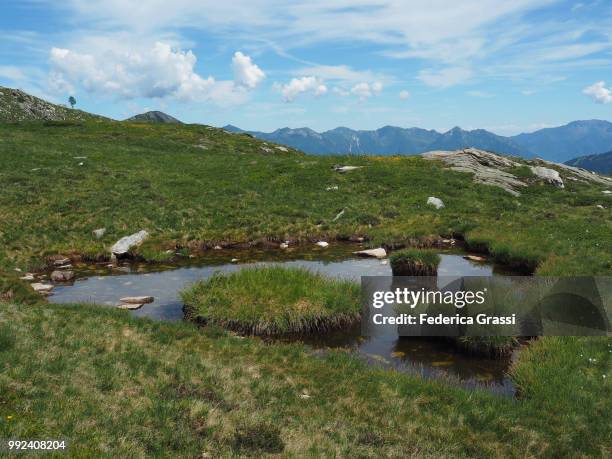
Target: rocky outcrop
[(493, 169), (486, 167), (16, 105)]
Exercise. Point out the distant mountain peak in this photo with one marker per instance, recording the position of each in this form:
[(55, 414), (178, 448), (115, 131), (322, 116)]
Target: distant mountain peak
[(154, 116)]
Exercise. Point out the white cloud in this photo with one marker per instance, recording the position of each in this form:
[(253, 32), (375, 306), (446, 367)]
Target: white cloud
[(599, 93), (403, 94), (245, 72), (446, 77), (157, 72), (298, 86), (366, 90)]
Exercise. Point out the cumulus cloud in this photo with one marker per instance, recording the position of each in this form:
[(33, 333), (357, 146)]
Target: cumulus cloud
[(404, 94), (245, 72), (599, 93), (446, 77), (158, 72), (301, 85), (366, 90)]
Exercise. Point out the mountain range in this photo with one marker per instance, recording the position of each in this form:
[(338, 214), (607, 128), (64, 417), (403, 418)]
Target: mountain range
[(601, 163), (557, 144), (578, 143)]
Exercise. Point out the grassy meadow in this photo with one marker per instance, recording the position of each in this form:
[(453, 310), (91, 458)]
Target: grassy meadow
[(194, 186), (115, 386)]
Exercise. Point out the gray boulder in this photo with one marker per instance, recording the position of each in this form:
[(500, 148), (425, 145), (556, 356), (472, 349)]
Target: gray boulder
[(62, 276), (123, 245), (436, 202), (548, 175)]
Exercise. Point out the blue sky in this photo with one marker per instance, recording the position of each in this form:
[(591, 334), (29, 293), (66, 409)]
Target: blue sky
[(508, 67)]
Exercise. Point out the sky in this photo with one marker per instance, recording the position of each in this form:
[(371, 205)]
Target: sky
[(509, 67)]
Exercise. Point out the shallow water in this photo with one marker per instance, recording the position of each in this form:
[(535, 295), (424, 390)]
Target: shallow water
[(431, 358)]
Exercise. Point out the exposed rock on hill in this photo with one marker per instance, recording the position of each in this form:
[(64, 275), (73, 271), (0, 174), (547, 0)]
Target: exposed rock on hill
[(16, 105), (492, 169)]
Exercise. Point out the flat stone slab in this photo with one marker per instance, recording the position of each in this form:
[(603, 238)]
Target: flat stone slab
[(130, 306), (137, 299), (123, 245), (323, 244), (42, 288), (474, 258), (376, 253)]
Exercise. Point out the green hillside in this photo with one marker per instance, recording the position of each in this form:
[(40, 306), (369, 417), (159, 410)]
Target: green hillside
[(16, 105)]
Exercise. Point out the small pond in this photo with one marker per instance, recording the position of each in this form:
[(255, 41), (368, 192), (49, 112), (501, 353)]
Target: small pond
[(102, 285)]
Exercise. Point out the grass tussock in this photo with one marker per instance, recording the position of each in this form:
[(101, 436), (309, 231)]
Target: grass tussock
[(273, 301), (414, 262)]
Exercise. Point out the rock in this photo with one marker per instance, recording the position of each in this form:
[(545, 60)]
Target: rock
[(217, 247), (61, 261), (98, 233), (323, 244), (599, 206), (62, 276), (384, 262), (589, 176), (278, 147), (331, 188), (343, 169), (474, 258), (27, 277), (436, 202), (137, 299), (548, 175), (284, 245), (234, 260), (376, 253), (486, 167), (68, 266), (123, 245), (606, 191), (42, 288), (130, 306)]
